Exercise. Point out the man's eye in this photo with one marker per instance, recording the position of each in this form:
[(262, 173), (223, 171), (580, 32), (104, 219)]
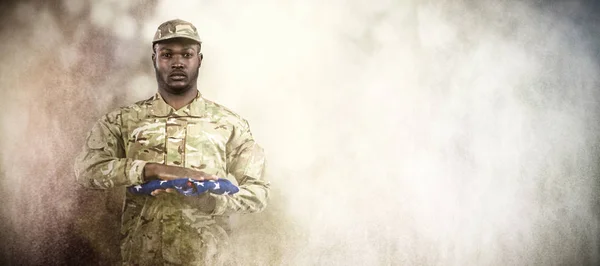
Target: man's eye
[(187, 55), (166, 55)]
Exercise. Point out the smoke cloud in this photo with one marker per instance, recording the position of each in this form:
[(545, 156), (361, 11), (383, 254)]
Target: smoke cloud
[(397, 132)]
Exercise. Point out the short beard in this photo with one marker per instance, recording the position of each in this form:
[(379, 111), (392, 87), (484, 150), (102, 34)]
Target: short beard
[(162, 83)]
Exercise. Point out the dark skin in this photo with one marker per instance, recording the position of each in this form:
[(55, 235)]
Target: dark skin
[(176, 65)]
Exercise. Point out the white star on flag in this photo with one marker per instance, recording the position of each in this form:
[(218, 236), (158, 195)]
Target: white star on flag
[(226, 193), (217, 186), (138, 187), (161, 182), (199, 183)]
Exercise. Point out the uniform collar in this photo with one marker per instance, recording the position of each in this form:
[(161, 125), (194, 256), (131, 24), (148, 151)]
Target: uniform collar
[(160, 108)]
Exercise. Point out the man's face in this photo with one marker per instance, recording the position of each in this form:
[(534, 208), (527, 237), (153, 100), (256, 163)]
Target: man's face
[(176, 63)]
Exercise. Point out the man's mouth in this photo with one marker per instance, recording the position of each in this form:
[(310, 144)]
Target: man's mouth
[(178, 76)]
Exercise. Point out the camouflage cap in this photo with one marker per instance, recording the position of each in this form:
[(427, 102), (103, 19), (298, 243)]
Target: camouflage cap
[(176, 28)]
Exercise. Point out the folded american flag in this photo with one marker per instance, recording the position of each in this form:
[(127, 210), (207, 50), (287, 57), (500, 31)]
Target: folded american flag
[(187, 186)]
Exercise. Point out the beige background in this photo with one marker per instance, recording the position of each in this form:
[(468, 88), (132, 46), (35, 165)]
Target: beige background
[(397, 132)]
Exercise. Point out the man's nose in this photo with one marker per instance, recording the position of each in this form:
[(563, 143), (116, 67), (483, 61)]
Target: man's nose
[(177, 64)]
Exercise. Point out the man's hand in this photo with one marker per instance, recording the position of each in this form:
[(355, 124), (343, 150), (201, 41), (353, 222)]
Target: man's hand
[(154, 171), (157, 192), (204, 202)]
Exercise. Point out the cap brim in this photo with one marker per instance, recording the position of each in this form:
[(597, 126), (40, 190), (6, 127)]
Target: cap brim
[(175, 37)]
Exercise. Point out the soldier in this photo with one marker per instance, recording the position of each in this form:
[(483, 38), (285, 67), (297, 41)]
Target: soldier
[(175, 134)]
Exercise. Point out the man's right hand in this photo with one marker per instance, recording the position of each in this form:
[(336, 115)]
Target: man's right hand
[(154, 171)]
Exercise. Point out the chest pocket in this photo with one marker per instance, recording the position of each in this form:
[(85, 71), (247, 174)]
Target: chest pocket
[(146, 141), (205, 147)]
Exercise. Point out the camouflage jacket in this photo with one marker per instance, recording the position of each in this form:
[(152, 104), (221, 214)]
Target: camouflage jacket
[(202, 135)]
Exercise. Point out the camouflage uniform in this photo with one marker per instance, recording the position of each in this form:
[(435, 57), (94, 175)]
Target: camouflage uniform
[(203, 136)]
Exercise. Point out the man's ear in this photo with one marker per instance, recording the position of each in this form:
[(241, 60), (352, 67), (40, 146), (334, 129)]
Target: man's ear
[(201, 57), (154, 60)]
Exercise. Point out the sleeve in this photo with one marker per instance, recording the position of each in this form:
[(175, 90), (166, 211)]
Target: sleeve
[(246, 162), (102, 163)]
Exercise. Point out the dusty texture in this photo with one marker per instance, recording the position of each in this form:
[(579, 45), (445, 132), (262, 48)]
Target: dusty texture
[(397, 132)]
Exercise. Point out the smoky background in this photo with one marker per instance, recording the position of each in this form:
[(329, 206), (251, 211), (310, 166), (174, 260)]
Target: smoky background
[(397, 132)]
